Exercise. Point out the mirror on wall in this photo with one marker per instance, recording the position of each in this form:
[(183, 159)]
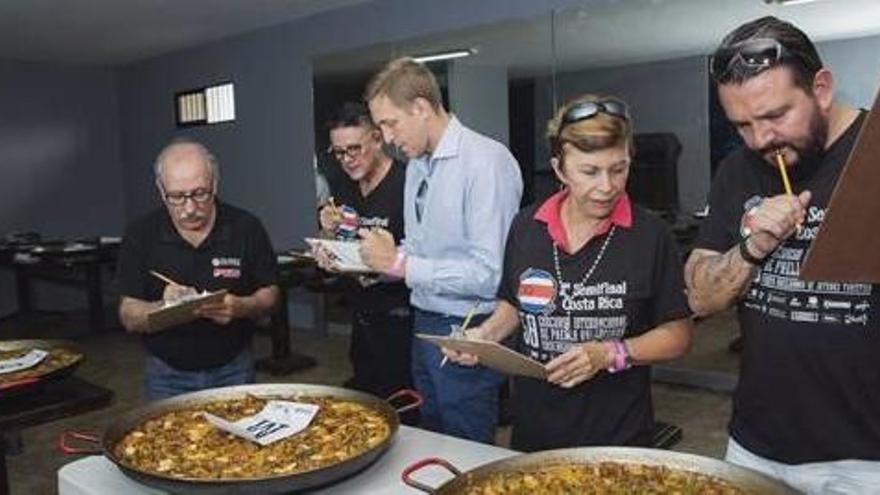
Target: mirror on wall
[(652, 53), (491, 90)]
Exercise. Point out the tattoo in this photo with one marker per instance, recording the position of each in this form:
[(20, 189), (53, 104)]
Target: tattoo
[(716, 280)]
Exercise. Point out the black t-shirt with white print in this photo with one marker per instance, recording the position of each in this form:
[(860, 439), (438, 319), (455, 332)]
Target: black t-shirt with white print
[(383, 207), (809, 384), (636, 286)]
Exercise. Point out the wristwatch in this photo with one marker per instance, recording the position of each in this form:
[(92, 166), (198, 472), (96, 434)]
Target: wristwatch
[(747, 255)]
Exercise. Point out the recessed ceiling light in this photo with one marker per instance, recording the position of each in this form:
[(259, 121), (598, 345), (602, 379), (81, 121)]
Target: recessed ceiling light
[(447, 55), (788, 2)]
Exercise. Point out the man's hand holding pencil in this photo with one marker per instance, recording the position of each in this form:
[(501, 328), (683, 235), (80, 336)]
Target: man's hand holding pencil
[(776, 218)]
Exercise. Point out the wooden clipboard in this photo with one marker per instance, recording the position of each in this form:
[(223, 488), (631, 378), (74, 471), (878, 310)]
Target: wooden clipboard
[(492, 355), (845, 248), (179, 314)]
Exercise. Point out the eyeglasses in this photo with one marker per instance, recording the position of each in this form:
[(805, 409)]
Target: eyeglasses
[(756, 54), (200, 195), (589, 109), (351, 151)]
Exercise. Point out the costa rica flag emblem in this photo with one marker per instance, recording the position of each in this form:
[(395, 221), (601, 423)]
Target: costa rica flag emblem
[(537, 291)]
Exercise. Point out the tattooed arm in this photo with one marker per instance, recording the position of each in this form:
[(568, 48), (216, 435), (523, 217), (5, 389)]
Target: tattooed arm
[(716, 280)]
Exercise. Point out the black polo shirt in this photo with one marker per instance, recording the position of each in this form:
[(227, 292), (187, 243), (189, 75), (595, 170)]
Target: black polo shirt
[(237, 256), (383, 207), (637, 285)]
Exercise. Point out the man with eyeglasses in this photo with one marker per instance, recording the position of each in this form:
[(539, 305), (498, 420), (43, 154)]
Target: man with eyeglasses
[(381, 320), (462, 191), (202, 244), (807, 406)]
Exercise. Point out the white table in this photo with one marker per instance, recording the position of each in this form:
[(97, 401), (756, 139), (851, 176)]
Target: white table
[(95, 475)]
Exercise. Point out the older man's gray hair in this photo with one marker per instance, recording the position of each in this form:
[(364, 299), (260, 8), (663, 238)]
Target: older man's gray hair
[(210, 159)]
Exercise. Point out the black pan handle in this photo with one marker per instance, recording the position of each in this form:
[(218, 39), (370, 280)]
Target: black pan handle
[(406, 475), (67, 438), (417, 400)]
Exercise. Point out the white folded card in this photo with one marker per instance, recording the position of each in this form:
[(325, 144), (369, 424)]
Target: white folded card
[(346, 255), (277, 420), (29, 360)]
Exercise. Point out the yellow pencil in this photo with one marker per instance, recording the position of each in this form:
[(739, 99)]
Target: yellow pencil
[(335, 209), (783, 172), (464, 326), (165, 279)]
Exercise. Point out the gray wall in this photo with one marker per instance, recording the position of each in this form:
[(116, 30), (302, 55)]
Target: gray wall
[(59, 150), (667, 96), (59, 154), (855, 64), (478, 96), (266, 154)]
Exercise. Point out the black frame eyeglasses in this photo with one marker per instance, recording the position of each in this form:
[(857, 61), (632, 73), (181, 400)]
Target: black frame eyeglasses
[(352, 151), (589, 109), (199, 196), (757, 54)]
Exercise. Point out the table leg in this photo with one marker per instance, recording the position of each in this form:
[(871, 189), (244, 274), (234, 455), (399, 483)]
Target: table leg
[(23, 290), (283, 360), (4, 476), (95, 296)]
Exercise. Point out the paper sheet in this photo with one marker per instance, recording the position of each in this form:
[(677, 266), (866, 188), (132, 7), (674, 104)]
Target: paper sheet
[(346, 253), (277, 420), (29, 360)]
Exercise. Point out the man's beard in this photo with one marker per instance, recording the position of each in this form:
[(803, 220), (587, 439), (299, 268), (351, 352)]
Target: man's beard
[(809, 152)]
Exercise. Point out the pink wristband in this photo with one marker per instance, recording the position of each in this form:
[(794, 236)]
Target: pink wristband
[(398, 268), (620, 355)]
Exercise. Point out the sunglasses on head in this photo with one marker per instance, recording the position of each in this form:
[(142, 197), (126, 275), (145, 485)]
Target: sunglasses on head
[(589, 109), (756, 54)]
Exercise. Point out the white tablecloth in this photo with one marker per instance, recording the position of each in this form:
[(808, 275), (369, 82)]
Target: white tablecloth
[(95, 475)]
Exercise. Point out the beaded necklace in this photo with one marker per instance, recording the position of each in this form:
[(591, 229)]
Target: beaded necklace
[(590, 271)]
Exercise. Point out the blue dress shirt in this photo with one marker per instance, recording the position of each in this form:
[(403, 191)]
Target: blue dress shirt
[(458, 205)]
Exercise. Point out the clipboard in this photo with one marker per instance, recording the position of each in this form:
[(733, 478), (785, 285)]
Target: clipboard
[(178, 314), (347, 254), (492, 355), (845, 248)]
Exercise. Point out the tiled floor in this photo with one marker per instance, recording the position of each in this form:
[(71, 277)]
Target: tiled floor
[(115, 361)]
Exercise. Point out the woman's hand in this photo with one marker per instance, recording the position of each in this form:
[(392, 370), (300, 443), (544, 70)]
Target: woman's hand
[(463, 358), (578, 364)]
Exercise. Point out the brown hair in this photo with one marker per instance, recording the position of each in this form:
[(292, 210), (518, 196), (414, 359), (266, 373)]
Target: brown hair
[(402, 81), (598, 132)]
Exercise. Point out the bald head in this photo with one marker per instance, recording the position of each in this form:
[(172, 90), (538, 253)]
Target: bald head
[(187, 177), (187, 154)]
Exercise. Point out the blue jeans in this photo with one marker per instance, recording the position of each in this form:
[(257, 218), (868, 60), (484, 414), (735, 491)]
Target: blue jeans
[(163, 381), (459, 400)]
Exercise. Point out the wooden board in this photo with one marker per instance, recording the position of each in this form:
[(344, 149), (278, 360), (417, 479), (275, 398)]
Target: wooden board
[(184, 312), (846, 246), (492, 355)]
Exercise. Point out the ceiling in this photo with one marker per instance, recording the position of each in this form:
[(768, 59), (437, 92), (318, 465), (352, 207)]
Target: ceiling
[(113, 32), (602, 32), (617, 32)]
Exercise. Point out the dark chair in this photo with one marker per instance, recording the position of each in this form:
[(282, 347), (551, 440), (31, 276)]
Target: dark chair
[(653, 176)]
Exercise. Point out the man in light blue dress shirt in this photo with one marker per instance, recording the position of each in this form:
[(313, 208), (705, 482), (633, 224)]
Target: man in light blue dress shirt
[(462, 191)]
